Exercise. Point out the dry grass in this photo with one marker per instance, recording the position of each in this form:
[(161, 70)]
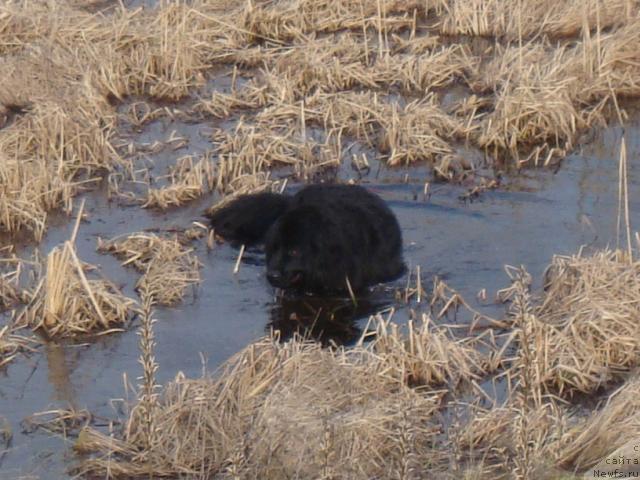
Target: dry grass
[(310, 80), (62, 422), (66, 69), (11, 268), (531, 18), (426, 354), (67, 302), (249, 150), (12, 344), (613, 64), (588, 332), (606, 430), (168, 267), (536, 117), (254, 420), (377, 410), (188, 180)]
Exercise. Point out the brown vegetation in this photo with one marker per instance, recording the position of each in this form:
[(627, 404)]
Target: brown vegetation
[(12, 344), (168, 267), (309, 80), (380, 409), (298, 68), (68, 302), (255, 420)]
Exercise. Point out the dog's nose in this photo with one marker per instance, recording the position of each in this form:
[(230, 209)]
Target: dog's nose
[(274, 278)]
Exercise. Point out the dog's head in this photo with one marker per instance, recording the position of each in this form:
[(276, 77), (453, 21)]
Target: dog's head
[(305, 252)]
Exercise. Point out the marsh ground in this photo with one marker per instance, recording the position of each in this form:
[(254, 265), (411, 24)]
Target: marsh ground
[(199, 103), (536, 215)]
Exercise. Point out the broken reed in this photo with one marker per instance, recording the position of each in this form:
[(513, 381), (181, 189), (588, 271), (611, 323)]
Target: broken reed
[(142, 429), (12, 344), (68, 302)]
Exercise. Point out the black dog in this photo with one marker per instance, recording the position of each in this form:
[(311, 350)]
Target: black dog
[(325, 238)]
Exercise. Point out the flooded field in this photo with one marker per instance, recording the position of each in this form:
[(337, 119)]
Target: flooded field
[(529, 219), (503, 135)]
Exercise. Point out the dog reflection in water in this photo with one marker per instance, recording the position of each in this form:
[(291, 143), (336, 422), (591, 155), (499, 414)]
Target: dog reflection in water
[(329, 320)]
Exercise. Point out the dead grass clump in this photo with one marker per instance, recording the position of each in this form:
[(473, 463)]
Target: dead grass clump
[(534, 120), (511, 441), (571, 18), (520, 435), (294, 20), (161, 53), (168, 267), (612, 63), (337, 65), (531, 18), (417, 132), (174, 58), (68, 303), (58, 139), (328, 65), (590, 334), (426, 354), (188, 180), (404, 134), (251, 149), (357, 114), (277, 411), (420, 73), (606, 430)]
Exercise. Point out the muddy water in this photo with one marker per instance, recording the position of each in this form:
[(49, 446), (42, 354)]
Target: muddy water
[(532, 217)]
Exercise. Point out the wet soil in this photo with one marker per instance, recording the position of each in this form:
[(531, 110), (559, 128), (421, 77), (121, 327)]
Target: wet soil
[(531, 217)]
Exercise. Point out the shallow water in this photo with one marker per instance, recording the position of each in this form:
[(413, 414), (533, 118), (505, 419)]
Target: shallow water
[(529, 219)]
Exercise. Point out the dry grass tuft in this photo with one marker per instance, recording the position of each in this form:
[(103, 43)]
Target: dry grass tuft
[(426, 354), (251, 149), (278, 410), (535, 118), (11, 268), (589, 335), (67, 302), (598, 436), (532, 18), (168, 268), (516, 443), (613, 63), (415, 133), (188, 180)]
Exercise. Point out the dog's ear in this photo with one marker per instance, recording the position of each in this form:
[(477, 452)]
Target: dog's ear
[(247, 219)]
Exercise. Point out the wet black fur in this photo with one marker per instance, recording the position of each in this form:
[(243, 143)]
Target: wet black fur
[(318, 238), (247, 219)]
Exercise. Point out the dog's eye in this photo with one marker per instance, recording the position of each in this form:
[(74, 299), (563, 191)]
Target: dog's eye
[(294, 252)]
